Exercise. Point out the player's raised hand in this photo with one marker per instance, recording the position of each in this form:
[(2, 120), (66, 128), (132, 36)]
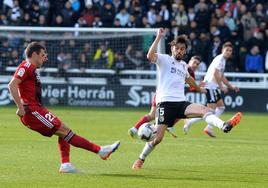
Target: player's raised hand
[(20, 111), (161, 32)]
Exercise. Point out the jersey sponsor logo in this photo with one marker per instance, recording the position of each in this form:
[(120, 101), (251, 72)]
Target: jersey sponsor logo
[(21, 72), (179, 72), (5, 97)]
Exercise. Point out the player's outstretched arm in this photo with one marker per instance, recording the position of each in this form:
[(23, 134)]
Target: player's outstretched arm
[(151, 55), (13, 89), (192, 83)]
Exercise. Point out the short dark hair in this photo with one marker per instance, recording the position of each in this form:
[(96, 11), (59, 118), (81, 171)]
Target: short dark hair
[(33, 47), (183, 39), (197, 57), (227, 44)]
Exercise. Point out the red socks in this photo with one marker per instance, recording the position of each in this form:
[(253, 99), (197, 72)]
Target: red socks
[(143, 120), (64, 148), (80, 142)]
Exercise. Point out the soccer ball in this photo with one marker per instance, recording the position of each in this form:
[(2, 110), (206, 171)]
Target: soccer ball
[(147, 132)]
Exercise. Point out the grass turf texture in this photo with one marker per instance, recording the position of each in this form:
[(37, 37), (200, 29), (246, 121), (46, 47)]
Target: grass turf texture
[(237, 159)]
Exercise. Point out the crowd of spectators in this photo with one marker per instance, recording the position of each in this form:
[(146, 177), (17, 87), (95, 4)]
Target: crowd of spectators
[(208, 24)]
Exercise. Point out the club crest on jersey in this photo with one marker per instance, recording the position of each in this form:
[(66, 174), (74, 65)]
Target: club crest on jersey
[(21, 72)]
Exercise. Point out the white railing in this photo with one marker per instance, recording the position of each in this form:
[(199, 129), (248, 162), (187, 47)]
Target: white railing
[(134, 77), (73, 70), (245, 80)]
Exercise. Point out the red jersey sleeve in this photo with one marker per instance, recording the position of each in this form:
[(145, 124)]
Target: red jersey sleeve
[(191, 72), (22, 71)]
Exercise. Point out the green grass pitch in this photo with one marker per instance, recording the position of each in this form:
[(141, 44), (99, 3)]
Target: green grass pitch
[(237, 159)]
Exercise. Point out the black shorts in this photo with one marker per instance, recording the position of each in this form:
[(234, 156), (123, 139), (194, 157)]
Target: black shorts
[(168, 112), (213, 95)]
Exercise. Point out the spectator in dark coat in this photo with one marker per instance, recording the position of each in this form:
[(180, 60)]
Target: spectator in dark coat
[(67, 15), (202, 18), (107, 15)]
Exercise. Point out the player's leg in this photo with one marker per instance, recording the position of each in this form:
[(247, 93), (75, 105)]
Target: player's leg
[(195, 110), (188, 124), (66, 166), (211, 100), (166, 115), (217, 108), (214, 99), (208, 130), (64, 148), (171, 130), (75, 140), (149, 146), (146, 118), (45, 123)]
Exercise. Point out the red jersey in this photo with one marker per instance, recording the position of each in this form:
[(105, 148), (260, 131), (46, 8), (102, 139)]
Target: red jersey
[(191, 72), (30, 86)]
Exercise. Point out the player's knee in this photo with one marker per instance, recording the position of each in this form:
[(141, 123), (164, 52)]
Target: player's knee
[(63, 131), (209, 111), (205, 110)]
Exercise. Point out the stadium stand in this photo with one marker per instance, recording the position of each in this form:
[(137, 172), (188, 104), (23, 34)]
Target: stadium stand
[(208, 24)]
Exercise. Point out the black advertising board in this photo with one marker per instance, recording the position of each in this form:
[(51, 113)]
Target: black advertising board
[(116, 95)]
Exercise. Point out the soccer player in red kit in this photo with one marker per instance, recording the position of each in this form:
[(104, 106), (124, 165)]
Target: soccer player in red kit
[(25, 88), (192, 67)]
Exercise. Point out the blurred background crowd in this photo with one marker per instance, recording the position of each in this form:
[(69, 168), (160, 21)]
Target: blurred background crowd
[(208, 24)]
